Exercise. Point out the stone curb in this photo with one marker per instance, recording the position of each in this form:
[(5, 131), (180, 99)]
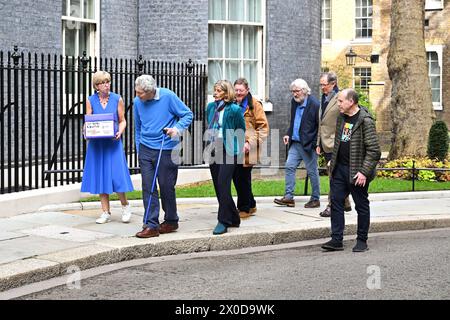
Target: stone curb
[(39, 268), (138, 203)]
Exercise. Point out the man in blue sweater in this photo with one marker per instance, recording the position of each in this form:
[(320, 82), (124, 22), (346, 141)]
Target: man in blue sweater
[(157, 109)]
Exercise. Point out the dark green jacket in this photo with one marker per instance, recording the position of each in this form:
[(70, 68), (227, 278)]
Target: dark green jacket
[(232, 120), (364, 147)]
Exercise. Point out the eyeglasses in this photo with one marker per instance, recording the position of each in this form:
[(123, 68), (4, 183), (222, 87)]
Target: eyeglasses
[(296, 91), (104, 82), (324, 84)]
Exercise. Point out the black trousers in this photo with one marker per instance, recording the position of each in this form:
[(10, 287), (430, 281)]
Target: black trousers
[(242, 179), (341, 188), (222, 174), (327, 157)]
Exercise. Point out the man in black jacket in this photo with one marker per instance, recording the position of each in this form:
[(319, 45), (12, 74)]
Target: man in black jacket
[(302, 139), (355, 156)]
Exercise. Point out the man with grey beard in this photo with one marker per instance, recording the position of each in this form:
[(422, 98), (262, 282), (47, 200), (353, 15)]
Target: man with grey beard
[(302, 139)]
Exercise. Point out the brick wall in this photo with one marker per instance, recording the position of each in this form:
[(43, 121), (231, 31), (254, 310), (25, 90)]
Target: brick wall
[(119, 29), (173, 30), (178, 31), (293, 51), (32, 25)]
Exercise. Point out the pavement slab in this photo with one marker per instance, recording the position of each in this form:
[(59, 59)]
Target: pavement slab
[(66, 233), (30, 246)]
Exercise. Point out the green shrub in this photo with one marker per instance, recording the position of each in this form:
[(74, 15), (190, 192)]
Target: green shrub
[(365, 102), (438, 141), (322, 164)]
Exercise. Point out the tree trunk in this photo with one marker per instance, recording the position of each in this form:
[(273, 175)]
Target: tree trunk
[(412, 111)]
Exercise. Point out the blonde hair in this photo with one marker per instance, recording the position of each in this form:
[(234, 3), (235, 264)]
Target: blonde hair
[(100, 77), (227, 88)]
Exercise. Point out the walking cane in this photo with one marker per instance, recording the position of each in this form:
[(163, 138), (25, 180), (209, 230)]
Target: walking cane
[(154, 177)]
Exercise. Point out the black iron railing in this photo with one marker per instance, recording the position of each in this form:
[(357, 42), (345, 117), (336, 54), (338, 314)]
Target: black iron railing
[(43, 100)]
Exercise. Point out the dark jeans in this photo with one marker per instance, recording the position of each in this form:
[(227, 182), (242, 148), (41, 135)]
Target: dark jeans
[(341, 188), (167, 178), (242, 179), (222, 174), (327, 157)]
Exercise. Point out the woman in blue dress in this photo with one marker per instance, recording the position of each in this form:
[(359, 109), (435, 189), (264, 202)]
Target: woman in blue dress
[(105, 169)]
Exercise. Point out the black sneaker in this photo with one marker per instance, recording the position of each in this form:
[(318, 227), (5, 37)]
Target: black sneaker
[(360, 246), (333, 245)]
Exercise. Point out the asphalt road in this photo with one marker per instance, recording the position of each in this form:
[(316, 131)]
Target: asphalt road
[(401, 265)]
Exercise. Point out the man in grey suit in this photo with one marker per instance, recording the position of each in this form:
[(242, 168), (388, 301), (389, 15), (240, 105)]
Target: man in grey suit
[(328, 113)]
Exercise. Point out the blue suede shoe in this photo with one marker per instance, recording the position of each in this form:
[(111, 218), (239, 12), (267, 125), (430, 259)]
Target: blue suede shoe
[(220, 229)]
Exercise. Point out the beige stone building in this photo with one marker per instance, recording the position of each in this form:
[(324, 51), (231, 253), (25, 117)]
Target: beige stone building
[(364, 26)]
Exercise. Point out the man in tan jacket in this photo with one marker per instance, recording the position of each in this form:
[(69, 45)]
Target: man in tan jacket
[(256, 131), (328, 113)]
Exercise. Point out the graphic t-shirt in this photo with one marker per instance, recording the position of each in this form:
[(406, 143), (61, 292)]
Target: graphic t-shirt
[(346, 136)]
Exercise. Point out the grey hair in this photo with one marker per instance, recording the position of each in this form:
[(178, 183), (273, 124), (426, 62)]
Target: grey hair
[(146, 83), (331, 76), (300, 84), (351, 94)]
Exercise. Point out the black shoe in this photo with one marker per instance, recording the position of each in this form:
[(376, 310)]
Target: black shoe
[(333, 245), (235, 224), (360, 246), (326, 213)]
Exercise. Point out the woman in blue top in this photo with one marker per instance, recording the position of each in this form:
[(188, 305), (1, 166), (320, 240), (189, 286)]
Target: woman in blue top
[(226, 128), (105, 169)]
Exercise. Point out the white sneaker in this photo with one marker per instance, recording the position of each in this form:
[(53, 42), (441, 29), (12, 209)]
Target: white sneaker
[(126, 213), (104, 218)]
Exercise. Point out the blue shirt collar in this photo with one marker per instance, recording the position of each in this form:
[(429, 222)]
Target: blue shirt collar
[(303, 105), (244, 105), (244, 102)]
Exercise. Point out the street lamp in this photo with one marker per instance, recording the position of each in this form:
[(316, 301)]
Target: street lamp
[(350, 57)]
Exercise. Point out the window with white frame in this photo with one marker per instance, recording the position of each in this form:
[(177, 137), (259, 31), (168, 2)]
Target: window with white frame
[(326, 19), (236, 42), (363, 18), (80, 21), (361, 79), (434, 60), (434, 4)]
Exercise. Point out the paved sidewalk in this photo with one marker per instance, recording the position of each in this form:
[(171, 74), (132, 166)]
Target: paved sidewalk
[(44, 244)]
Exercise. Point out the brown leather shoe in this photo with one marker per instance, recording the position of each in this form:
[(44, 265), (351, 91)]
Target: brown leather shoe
[(312, 204), (148, 233), (244, 215), (285, 202), (252, 211), (166, 227)]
